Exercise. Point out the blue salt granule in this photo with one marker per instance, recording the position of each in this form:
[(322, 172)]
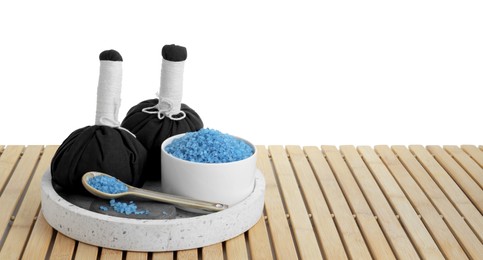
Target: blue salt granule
[(107, 184), (112, 185), (126, 208), (209, 146)]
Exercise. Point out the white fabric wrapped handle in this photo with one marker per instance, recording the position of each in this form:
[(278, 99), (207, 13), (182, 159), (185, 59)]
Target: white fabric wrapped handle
[(109, 90), (109, 93), (171, 88)]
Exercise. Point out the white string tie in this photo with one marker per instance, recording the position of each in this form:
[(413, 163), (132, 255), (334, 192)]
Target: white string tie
[(163, 109)]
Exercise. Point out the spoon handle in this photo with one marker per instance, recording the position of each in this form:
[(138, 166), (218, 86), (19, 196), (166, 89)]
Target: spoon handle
[(176, 200)]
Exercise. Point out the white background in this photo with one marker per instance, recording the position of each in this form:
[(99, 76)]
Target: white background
[(273, 72)]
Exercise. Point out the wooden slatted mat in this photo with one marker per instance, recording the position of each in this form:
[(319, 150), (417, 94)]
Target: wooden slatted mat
[(327, 202)]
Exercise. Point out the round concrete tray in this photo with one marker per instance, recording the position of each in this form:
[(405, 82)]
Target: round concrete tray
[(151, 235)]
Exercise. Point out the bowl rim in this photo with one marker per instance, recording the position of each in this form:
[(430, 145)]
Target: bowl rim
[(171, 138)]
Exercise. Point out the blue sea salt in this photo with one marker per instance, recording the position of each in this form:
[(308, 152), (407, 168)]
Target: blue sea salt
[(107, 184), (209, 146), (126, 208), (112, 185)]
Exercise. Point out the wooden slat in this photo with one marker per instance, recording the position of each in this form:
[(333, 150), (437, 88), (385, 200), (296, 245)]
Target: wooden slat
[(8, 160), (236, 248), (464, 181), (39, 239), (430, 216), (136, 256), (63, 247), (468, 240), (15, 187), (258, 241), (164, 256), (450, 188), (321, 216), (86, 251), (24, 219), (375, 197), (111, 254), (305, 238), (281, 236), (475, 153), (214, 252), (191, 254), (469, 165), (414, 227), (348, 192)]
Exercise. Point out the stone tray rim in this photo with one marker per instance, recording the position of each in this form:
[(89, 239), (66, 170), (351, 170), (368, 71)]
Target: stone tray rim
[(240, 217)]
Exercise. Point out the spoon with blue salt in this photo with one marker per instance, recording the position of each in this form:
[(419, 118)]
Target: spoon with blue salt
[(107, 187)]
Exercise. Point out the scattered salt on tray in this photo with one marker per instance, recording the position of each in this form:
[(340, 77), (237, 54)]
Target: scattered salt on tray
[(112, 185), (209, 146), (128, 209)]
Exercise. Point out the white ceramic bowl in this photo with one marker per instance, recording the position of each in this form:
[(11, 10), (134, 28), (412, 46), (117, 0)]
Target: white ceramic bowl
[(227, 183)]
